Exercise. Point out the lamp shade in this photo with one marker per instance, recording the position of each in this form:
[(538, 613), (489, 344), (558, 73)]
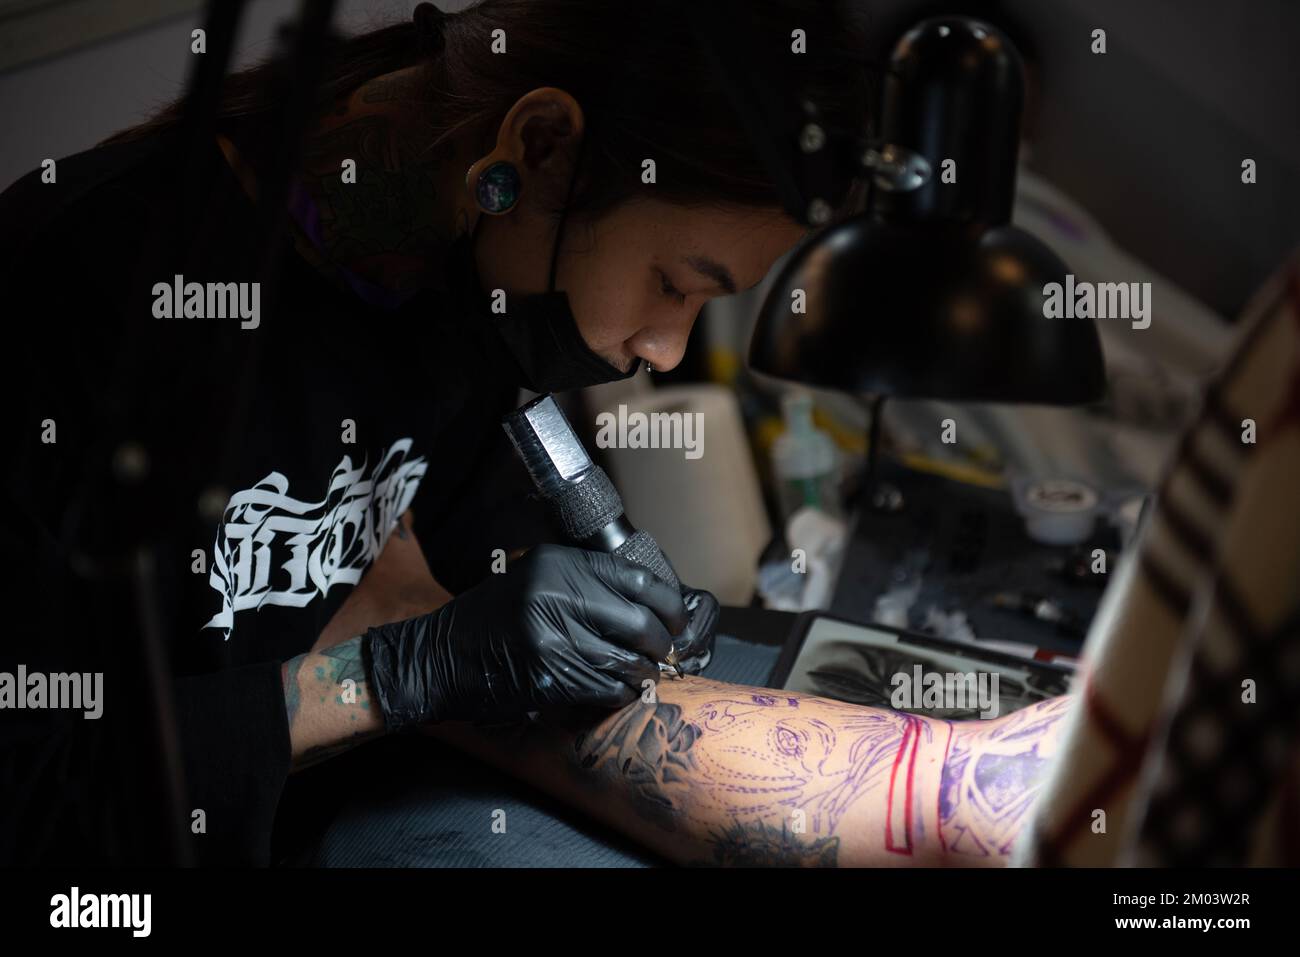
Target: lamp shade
[(926, 310)]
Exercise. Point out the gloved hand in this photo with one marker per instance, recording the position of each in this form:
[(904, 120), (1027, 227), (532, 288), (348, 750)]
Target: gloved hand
[(694, 646), (561, 627)]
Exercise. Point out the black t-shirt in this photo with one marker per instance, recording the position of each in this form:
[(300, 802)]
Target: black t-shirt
[(263, 468)]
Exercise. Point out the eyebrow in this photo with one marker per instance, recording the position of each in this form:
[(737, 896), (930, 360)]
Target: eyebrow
[(712, 270)]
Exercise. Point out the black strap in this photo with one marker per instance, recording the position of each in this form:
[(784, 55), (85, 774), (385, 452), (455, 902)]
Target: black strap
[(564, 213)]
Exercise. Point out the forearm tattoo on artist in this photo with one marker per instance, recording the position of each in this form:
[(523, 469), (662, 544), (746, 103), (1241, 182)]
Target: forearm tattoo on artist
[(785, 799), (292, 693), (345, 664), (324, 674)]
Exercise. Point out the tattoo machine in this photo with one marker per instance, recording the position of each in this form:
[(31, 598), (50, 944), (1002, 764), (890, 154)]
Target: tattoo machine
[(580, 494)]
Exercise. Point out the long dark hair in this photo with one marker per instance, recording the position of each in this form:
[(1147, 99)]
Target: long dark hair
[(644, 86)]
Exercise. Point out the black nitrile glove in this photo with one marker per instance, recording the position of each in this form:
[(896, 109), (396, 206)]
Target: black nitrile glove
[(561, 627), (694, 646)]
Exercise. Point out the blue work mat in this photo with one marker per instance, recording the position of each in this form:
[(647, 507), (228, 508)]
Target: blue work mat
[(424, 804)]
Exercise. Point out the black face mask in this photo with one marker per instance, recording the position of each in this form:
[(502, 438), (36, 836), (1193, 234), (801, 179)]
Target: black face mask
[(538, 330)]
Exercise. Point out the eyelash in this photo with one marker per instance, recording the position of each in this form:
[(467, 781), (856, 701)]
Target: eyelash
[(668, 289)]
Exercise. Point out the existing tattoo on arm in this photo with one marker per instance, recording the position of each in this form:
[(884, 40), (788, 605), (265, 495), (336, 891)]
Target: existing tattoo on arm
[(775, 779), (327, 702), (729, 775), (991, 777)]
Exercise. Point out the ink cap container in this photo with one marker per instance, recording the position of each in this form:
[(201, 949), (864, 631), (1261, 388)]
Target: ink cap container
[(1057, 511)]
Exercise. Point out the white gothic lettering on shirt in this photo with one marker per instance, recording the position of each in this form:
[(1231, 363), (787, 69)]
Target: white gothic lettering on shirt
[(273, 549)]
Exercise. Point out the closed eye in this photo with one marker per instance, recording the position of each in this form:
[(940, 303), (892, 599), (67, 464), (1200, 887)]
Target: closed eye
[(668, 289)]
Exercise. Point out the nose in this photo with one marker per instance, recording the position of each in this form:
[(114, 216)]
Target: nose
[(663, 343)]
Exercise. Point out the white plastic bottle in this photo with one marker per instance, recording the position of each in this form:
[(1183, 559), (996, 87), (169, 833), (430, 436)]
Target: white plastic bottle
[(805, 461)]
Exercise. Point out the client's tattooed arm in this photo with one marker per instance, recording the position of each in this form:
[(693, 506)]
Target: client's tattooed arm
[(327, 699), (712, 773)]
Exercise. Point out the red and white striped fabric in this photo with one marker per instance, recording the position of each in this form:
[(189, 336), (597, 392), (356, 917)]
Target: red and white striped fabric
[(1185, 734)]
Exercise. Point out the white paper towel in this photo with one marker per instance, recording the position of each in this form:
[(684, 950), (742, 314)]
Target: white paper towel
[(706, 513)]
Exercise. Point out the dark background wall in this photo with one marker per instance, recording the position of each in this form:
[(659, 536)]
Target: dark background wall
[(1149, 137)]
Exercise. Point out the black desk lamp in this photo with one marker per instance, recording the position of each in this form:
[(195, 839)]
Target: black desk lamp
[(929, 292)]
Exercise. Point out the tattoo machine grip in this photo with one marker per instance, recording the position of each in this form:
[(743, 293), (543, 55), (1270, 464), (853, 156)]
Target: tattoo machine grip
[(579, 493)]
